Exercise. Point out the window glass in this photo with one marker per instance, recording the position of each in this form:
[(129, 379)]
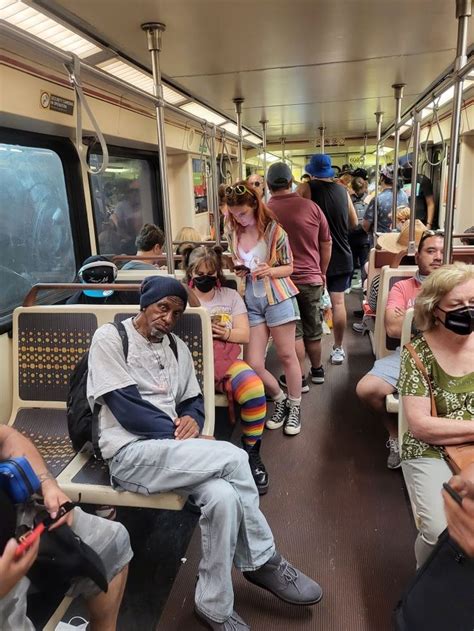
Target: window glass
[(36, 242), (122, 200), (201, 171)]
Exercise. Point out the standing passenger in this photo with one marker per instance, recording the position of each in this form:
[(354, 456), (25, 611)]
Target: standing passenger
[(384, 203), (260, 249), (257, 183), (310, 241), (334, 201)]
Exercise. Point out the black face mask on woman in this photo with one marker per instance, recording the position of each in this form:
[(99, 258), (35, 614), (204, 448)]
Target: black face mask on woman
[(205, 283), (459, 321)]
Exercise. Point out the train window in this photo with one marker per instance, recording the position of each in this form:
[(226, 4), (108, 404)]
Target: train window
[(36, 243), (122, 199)]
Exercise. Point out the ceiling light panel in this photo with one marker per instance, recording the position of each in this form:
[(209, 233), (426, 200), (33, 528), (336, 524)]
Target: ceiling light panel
[(255, 139), (139, 79), (40, 25), (233, 129), (203, 112)]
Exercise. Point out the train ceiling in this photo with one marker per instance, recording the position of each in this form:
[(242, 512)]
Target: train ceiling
[(300, 64)]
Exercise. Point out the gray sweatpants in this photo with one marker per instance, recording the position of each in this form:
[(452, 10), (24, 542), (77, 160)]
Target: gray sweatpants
[(110, 541), (233, 530)]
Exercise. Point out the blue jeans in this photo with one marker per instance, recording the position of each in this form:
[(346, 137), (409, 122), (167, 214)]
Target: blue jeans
[(233, 530)]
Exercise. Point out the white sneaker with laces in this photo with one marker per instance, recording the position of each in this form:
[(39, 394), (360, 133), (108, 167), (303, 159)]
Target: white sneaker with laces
[(338, 355)]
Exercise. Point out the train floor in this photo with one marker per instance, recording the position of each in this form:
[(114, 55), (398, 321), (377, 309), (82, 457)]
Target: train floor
[(336, 512)]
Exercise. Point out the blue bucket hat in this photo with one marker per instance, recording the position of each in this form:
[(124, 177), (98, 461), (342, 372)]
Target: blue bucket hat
[(320, 165)]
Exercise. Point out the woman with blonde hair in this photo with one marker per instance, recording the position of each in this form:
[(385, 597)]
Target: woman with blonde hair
[(262, 257), (230, 329), (440, 361)]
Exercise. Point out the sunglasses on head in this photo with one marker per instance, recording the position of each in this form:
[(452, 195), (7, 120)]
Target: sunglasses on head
[(238, 189)]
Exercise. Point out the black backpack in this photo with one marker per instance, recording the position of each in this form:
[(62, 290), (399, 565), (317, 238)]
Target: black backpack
[(82, 422), (440, 596)]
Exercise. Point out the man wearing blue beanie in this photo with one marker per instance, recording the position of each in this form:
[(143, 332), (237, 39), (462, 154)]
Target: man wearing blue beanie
[(150, 421)]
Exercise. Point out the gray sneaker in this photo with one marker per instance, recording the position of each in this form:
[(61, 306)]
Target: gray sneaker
[(393, 460), (283, 580), (233, 623)]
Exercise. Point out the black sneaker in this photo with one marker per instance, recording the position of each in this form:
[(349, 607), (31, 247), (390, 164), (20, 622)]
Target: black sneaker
[(317, 375), (292, 424), (259, 473), (304, 383), (280, 412)]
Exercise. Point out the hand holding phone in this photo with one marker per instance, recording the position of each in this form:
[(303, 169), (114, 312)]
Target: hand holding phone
[(27, 540), (454, 494)]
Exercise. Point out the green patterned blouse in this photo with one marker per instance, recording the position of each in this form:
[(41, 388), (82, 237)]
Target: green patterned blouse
[(454, 396)]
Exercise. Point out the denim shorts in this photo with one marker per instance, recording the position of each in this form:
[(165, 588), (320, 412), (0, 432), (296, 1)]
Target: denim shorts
[(261, 312)]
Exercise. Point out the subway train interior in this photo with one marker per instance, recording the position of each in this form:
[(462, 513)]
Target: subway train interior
[(115, 114)]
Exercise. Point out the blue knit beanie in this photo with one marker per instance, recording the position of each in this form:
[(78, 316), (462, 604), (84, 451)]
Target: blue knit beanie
[(155, 288)]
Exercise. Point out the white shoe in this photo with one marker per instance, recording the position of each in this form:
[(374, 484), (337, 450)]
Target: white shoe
[(337, 355)]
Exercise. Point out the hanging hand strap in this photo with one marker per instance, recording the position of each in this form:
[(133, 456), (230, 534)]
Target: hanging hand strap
[(74, 70), (424, 372)]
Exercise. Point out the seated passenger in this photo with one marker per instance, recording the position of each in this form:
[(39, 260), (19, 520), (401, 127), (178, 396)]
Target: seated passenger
[(444, 313), (109, 540), (188, 237), (468, 240), (149, 242), (150, 421), (99, 270), (382, 379), (230, 329)]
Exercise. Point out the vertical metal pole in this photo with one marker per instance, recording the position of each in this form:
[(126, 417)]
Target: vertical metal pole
[(365, 146), (238, 112), (378, 118), (283, 148), (264, 123), (214, 185), (322, 129), (463, 13), (398, 93), (414, 173), (154, 31)]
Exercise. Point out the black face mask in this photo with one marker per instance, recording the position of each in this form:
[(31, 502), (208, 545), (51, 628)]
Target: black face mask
[(205, 283), (459, 321)]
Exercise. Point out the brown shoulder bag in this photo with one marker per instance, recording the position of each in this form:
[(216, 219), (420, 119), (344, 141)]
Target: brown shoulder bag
[(457, 456)]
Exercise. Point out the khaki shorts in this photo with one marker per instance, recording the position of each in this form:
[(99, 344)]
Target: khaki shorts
[(310, 327)]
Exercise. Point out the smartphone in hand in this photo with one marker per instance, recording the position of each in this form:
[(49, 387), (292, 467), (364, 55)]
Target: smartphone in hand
[(454, 494)]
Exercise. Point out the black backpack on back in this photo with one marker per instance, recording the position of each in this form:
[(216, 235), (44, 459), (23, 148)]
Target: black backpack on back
[(80, 417), (82, 422)]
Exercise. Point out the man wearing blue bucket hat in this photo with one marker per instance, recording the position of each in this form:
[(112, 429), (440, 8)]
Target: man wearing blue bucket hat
[(340, 213)]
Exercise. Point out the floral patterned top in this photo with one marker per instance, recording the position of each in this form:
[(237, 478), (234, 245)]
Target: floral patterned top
[(454, 396)]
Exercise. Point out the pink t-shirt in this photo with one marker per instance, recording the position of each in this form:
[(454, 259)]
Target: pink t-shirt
[(306, 227), (403, 294), (226, 303)]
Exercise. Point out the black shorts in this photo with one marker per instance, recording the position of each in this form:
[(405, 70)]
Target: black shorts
[(339, 282)]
